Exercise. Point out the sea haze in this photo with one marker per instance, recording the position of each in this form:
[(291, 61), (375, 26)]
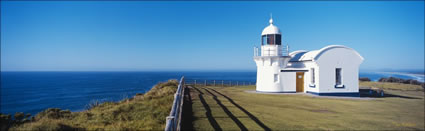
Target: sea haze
[(32, 92)]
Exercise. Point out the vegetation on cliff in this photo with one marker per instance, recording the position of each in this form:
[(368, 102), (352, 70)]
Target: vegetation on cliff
[(399, 80), (142, 112)]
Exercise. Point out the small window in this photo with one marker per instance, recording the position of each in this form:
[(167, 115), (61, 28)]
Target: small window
[(271, 39), (338, 76), (278, 39), (276, 78), (312, 76)]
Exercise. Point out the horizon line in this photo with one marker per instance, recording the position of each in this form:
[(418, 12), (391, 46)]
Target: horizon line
[(219, 70)]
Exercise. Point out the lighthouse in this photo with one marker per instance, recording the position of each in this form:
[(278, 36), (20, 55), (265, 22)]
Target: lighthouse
[(270, 60), (332, 70)]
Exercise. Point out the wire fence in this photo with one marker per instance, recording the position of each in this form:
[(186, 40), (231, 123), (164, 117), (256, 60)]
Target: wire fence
[(223, 83)]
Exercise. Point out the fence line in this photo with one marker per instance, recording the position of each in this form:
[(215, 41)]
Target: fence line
[(224, 83), (173, 121)]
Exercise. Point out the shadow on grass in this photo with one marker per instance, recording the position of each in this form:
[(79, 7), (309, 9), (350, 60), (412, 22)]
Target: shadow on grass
[(187, 114), (400, 96), (227, 111), (262, 125), (374, 93), (211, 119)]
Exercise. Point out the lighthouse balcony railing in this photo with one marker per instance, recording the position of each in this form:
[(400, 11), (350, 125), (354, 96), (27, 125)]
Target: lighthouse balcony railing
[(284, 51), (271, 52), (256, 52)]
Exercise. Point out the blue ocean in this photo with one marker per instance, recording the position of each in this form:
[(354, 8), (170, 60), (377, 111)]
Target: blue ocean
[(32, 92)]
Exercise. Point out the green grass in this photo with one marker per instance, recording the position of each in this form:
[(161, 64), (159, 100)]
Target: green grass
[(304, 112), (142, 112)]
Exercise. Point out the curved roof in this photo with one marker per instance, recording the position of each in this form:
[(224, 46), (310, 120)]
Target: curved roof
[(309, 55), (296, 55), (271, 29), (315, 54), (296, 52)]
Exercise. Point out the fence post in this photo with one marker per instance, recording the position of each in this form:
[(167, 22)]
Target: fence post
[(169, 122), (222, 82), (205, 83), (237, 83), (214, 82), (195, 83)]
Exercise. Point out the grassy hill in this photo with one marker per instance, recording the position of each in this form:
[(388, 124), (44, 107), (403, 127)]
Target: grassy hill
[(142, 112)]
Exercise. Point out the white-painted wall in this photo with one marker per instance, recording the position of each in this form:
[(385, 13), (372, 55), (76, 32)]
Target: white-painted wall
[(308, 86), (344, 58), (288, 81), (265, 79), (267, 68)]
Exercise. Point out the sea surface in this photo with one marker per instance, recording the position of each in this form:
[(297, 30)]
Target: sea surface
[(32, 92)]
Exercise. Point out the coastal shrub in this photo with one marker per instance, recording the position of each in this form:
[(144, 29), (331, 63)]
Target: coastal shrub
[(141, 112), (364, 79), (93, 104), (158, 91), (5, 121), (19, 116), (399, 80), (53, 113), (47, 125)]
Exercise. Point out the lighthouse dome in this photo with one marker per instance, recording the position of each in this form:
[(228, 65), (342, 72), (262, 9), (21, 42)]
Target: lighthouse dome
[(271, 29)]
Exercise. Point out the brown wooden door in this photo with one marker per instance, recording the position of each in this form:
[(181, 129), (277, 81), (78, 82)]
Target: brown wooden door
[(300, 81)]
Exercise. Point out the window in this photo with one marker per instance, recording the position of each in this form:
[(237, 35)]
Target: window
[(278, 40), (338, 76), (272, 39), (276, 78), (312, 76)]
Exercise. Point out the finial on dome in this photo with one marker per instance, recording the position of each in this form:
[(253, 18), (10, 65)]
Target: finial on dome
[(271, 19), (271, 29)]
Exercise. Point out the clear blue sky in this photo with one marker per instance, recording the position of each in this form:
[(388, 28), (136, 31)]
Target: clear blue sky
[(127, 36)]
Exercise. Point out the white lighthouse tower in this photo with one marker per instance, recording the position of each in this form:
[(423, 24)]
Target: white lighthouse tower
[(270, 60)]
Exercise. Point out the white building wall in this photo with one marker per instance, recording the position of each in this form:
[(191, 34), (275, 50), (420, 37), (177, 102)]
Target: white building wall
[(343, 58), (267, 69), (288, 81), (308, 85), (349, 80), (266, 81)]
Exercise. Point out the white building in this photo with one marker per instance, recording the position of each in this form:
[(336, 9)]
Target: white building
[(332, 70)]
